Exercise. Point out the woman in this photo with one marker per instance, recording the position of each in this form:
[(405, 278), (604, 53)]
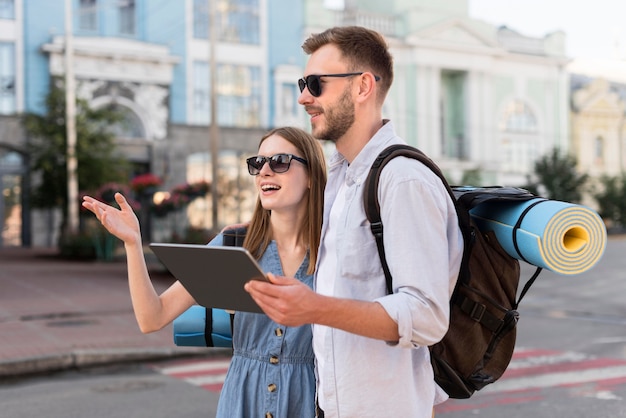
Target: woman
[(272, 369)]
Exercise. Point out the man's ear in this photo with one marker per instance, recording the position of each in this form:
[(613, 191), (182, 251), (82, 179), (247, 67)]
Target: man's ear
[(367, 85)]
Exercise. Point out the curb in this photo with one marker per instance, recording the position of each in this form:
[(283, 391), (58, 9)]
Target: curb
[(81, 359)]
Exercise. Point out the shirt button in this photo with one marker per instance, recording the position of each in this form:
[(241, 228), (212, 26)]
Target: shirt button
[(269, 415), (278, 332), (271, 387), (274, 360)]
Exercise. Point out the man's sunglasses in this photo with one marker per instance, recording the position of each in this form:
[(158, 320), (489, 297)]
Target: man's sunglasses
[(314, 83), (279, 163)]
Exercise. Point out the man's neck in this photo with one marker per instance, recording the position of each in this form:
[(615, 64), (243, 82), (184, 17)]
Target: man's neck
[(351, 144)]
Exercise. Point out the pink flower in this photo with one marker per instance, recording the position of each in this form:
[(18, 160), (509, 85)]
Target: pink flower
[(145, 181)]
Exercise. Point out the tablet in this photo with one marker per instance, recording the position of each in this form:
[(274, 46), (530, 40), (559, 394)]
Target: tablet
[(214, 276)]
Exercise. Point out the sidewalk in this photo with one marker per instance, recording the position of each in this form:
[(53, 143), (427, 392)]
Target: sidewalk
[(57, 314)]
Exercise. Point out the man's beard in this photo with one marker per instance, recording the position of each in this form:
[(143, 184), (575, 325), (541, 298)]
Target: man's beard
[(339, 119)]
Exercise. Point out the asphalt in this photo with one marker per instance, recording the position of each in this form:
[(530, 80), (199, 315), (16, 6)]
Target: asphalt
[(58, 314)]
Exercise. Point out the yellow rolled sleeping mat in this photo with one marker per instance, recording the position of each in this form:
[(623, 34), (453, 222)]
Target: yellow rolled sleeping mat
[(562, 237)]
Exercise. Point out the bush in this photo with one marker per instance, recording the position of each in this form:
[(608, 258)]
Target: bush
[(193, 236), (612, 199), (77, 246)]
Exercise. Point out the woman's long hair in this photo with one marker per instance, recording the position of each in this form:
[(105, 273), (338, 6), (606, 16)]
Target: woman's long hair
[(259, 235)]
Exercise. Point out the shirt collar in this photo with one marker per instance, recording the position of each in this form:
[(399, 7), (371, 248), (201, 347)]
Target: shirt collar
[(359, 168)]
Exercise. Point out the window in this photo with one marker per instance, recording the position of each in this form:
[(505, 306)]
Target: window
[(520, 146), (237, 20), (200, 19), (201, 98), (598, 150), (518, 117), (238, 95), (289, 100), (87, 15), (130, 126), (127, 17), (454, 142), (7, 9), (7, 78)]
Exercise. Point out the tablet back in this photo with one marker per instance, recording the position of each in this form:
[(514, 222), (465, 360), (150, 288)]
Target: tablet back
[(214, 276)]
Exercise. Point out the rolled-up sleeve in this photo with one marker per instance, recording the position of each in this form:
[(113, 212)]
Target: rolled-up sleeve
[(423, 248)]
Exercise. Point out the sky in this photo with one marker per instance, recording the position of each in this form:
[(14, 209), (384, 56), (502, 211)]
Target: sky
[(595, 29), (592, 27)]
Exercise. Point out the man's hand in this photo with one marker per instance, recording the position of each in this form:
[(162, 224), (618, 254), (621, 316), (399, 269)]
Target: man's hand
[(285, 300), (290, 302)]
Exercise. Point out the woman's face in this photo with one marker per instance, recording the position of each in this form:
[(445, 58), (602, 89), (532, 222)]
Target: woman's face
[(282, 191)]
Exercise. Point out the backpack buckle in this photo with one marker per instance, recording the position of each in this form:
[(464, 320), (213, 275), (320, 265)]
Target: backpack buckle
[(377, 229), (478, 310)]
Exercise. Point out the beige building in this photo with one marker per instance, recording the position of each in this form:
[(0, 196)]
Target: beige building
[(598, 117)]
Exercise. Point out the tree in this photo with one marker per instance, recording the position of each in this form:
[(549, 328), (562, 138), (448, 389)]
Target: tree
[(95, 149), (612, 199), (557, 178)]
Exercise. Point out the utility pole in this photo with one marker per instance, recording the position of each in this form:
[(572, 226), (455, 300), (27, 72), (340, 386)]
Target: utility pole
[(214, 128), (70, 122)]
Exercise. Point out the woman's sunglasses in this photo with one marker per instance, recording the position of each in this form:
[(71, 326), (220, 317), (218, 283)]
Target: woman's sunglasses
[(279, 163), (314, 83)]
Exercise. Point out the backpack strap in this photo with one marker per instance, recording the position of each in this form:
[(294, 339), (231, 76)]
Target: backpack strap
[(462, 197), (372, 205), (234, 237)]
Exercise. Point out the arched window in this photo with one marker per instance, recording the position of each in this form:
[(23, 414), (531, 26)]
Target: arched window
[(518, 118), (130, 126), (10, 159)]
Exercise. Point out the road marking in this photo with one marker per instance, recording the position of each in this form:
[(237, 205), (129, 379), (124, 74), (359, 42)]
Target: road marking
[(533, 370), (206, 373)]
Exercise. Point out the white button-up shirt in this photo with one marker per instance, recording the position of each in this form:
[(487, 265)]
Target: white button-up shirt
[(364, 377)]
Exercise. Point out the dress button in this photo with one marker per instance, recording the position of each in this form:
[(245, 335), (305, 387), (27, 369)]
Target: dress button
[(271, 387), (278, 332), (269, 415), (274, 360)]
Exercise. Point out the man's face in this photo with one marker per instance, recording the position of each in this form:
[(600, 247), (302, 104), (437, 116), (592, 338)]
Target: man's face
[(332, 112)]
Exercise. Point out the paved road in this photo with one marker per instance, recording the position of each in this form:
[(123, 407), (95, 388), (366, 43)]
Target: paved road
[(570, 355), (570, 359)]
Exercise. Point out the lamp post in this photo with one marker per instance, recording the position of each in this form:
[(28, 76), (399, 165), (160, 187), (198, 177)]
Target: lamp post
[(214, 129), (70, 122)]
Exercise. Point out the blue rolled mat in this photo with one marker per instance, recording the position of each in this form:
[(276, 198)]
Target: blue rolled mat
[(189, 328), (562, 237)]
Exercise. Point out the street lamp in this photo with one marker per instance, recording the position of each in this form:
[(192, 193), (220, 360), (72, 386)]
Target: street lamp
[(214, 129), (70, 122)]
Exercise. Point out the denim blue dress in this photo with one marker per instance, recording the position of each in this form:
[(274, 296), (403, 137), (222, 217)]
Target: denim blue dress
[(272, 372)]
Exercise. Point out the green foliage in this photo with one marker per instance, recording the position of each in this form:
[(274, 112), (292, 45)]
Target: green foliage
[(471, 178), (95, 149), (612, 199), (193, 235), (557, 178)]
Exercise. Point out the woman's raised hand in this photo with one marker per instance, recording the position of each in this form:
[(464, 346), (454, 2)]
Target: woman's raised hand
[(122, 223)]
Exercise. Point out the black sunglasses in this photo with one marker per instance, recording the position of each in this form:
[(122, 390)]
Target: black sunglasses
[(279, 163), (315, 85)]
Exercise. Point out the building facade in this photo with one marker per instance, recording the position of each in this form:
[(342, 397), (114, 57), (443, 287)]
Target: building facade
[(476, 98), (152, 60), (598, 118), (479, 99)]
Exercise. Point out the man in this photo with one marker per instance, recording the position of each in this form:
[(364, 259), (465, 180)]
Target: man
[(371, 349)]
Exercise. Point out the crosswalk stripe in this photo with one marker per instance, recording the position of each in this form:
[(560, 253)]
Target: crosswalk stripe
[(207, 380), (532, 370), (208, 374), (202, 366), (556, 379)]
